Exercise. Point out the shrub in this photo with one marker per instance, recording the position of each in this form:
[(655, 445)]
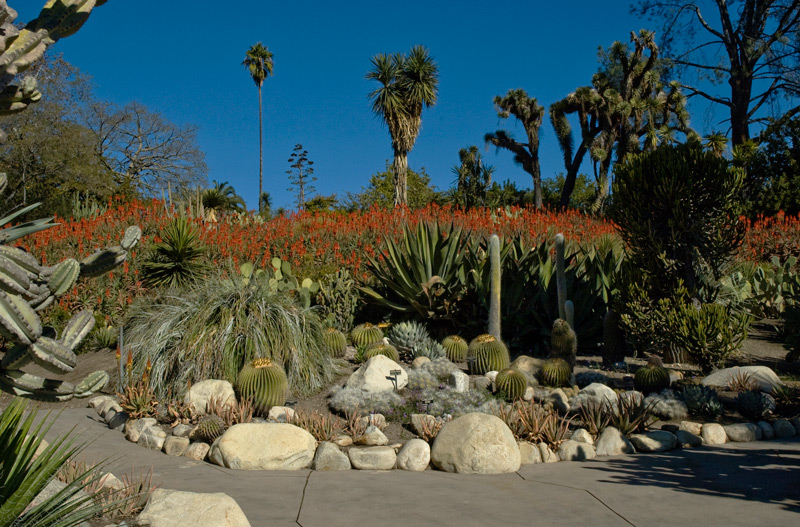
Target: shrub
[(177, 258)]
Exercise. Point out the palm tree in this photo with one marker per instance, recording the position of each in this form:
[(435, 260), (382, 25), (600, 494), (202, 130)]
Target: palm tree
[(258, 61), (408, 83), (221, 198)]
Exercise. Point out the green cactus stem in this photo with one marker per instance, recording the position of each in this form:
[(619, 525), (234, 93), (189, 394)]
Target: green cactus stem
[(652, 378), (335, 342), (494, 288), (209, 428), (555, 373), (455, 348), (103, 261), (381, 348), (365, 334), (512, 382), (563, 342), (561, 277), (91, 383), (486, 353), (131, 237), (64, 276), (265, 382), (18, 321)]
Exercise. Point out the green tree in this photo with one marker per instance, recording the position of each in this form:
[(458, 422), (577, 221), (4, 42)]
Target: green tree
[(221, 199), (581, 197), (408, 83), (472, 178), (380, 191), (258, 61), (528, 111), (301, 175), (322, 203), (754, 49), (773, 173)]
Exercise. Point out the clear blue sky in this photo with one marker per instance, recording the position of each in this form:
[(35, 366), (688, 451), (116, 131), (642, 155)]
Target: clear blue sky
[(183, 58)]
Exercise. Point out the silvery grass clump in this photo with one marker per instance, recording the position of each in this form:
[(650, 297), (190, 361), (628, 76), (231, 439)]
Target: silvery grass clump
[(350, 401), (210, 329), (667, 405)]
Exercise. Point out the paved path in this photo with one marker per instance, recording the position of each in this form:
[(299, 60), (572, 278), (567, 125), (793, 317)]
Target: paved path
[(736, 484)]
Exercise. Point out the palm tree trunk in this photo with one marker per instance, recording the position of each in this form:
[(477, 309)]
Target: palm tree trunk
[(400, 167), (260, 151)]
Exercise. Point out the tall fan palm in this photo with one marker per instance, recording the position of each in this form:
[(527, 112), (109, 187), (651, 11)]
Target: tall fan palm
[(221, 198), (409, 83), (258, 61)]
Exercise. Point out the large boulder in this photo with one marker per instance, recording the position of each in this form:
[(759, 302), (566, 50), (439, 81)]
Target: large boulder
[(198, 395), (330, 458), (764, 377), (264, 446), (476, 443), (168, 508), (373, 457), (414, 456), (594, 394), (612, 442), (654, 441), (375, 375)]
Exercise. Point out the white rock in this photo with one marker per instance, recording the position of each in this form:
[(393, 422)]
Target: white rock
[(135, 427), (459, 381), (528, 394), (783, 428), (182, 430), (153, 438), (170, 508), (761, 375), (372, 375), (417, 421), (419, 362), (98, 400), (691, 427), (654, 441), (598, 393), (529, 453), (373, 437), (197, 451), (528, 365), (613, 443), (175, 446), (547, 455), (714, 434), (378, 420), (476, 443), (198, 395), (110, 481), (373, 457), (281, 414), (767, 431), (329, 458), (264, 446), (582, 435), (571, 450), (414, 456), (687, 439), (742, 432), (342, 440)]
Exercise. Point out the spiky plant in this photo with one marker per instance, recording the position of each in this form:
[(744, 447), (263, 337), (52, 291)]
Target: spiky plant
[(755, 405), (652, 378), (335, 342), (430, 349), (177, 259), (212, 331), (381, 348), (701, 400), (264, 382), (406, 336), (563, 342), (440, 368), (512, 383), (486, 353), (555, 373), (366, 334), (209, 428), (455, 348)]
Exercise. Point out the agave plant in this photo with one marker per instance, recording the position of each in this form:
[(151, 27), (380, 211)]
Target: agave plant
[(176, 260)]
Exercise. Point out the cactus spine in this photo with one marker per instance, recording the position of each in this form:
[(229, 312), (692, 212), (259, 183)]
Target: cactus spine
[(566, 310), (381, 348), (563, 342), (335, 342), (486, 353), (455, 348), (512, 382), (494, 294), (265, 382), (652, 378), (365, 334), (555, 373), (209, 428)]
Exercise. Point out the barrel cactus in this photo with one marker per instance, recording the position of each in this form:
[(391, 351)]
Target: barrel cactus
[(455, 348), (209, 428), (555, 373), (381, 348), (511, 382), (652, 378), (365, 334), (486, 353), (563, 342), (334, 342), (264, 382)]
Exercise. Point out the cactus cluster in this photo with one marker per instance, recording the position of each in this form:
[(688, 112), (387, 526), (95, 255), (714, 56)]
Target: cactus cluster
[(421, 380), (512, 383), (381, 348), (455, 348), (264, 382), (563, 342), (279, 278), (755, 405), (555, 373), (701, 400), (365, 334), (486, 353), (335, 342), (209, 428), (652, 378)]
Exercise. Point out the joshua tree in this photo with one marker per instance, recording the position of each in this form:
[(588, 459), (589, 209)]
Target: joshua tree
[(408, 83), (529, 113), (258, 61)]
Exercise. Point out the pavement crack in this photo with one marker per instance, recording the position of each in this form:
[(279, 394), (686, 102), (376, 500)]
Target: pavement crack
[(303, 499), (623, 518)]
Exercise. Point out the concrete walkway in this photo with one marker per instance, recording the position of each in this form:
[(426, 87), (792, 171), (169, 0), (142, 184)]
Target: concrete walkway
[(736, 484)]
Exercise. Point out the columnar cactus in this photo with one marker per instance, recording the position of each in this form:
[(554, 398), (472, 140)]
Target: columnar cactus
[(566, 311), (563, 342), (494, 289)]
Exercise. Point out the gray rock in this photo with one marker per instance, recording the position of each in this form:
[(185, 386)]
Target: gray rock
[(529, 453), (612, 443), (264, 446), (766, 379), (198, 395), (528, 365), (115, 419), (419, 362), (491, 375), (375, 376), (98, 400), (476, 443), (559, 400), (714, 434), (582, 435), (415, 456), (372, 437), (378, 420), (175, 446), (571, 450), (182, 430), (528, 394), (135, 427), (459, 381), (107, 404), (547, 455), (280, 414), (373, 458), (170, 508), (654, 441), (480, 383), (796, 424), (595, 394), (783, 428), (691, 427), (687, 439), (742, 432), (767, 431), (342, 440), (418, 419), (153, 438), (198, 451), (329, 458)]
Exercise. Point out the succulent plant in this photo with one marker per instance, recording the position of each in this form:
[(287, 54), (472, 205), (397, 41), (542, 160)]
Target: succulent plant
[(563, 342), (431, 349), (555, 372), (406, 337), (421, 380), (440, 368), (566, 310), (265, 382), (209, 428), (455, 348), (381, 348), (700, 399), (335, 342), (755, 405), (512, 382), (486, 353), (667, 405), (366, 334), (652, 378)]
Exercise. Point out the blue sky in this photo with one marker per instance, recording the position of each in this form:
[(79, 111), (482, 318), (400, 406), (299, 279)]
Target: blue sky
[(183, 58)]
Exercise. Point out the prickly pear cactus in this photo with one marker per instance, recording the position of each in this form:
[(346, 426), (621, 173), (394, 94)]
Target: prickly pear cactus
[(27, 288)]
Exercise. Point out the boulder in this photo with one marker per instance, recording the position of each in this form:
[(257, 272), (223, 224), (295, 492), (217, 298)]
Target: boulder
[(559, 400), (767, 432), (414, 456), (198, 395), (373, 437), (691, 427), (329, 458), (99, 400), (528, 394), (687, 439), (175, 446), (529, 453), (182, 430), (375, 376), (480, 383), (107, 404), (419, 362), (612, 443), (571, 450), (152, 437), (783, 428), (168, 508), (197, 451), (581, 435), (264, 446), (280, 414), (458, 381), (528, 365), (476, 443), (714, 434), (115, 419), (764, 377), (742, 432), (342, 440), (135, 427), (595, 394), (418, 419), (547, 455), (654, 441), (378, 420), (373, 457)]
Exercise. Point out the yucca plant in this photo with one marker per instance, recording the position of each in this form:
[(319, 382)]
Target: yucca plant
[(177, 258)]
